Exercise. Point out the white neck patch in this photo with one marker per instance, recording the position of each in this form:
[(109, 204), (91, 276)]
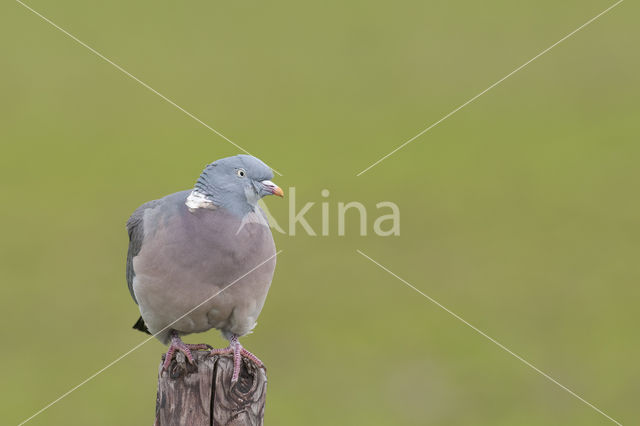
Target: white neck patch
[(197, 200)]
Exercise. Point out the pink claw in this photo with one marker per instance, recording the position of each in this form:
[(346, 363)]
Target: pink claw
[(236, 349), (178, 345)]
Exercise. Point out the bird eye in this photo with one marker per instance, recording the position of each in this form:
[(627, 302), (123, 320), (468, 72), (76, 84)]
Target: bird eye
[(240, 172)]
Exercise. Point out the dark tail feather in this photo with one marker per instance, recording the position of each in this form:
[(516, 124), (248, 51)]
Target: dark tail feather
[(140, 325)]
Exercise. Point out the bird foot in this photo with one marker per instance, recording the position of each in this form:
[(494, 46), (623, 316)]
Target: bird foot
[(238, 351), (178, 345)]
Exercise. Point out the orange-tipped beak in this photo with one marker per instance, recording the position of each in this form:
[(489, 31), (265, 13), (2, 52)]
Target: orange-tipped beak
[(275, 189)]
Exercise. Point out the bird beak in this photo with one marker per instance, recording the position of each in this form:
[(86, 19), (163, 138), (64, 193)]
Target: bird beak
[(273, 188)]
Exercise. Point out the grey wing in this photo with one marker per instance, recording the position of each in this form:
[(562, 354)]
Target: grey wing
[(135, 227)]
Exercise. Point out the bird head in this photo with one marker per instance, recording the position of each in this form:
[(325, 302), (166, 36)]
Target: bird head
[(237, 183)]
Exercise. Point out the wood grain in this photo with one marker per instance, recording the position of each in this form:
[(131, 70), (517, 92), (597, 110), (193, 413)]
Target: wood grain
[(201, 394)]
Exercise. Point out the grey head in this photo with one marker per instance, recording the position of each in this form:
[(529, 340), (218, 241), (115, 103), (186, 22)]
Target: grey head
[(236, 183)]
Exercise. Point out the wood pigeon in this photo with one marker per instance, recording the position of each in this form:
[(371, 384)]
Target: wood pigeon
[(191, 245)]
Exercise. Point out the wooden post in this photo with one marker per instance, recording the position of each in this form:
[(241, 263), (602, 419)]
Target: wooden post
[(202, 395)]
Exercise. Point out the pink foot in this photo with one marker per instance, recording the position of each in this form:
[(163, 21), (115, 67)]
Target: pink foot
[(236, 349), (178, 345)]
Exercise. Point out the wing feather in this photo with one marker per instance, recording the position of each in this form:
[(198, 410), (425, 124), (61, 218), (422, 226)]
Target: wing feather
[(135, 228)]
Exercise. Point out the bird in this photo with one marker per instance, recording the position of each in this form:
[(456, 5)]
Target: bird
[(204, 259)]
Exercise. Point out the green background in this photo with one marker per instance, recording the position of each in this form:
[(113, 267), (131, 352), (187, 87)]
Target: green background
[(519, 213)]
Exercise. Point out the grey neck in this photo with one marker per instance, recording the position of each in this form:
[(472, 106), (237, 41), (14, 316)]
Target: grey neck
[(232, 201)]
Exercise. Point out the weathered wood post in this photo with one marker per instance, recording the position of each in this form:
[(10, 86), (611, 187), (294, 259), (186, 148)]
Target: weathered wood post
[(202, 395)]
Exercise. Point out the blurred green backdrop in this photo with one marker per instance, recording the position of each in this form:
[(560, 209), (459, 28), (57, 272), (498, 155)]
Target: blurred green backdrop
[(519, 213)]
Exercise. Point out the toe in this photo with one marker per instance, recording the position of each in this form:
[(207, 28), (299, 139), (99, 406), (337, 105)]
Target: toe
[(252, 357), (187, 353), (200, 347), (224, 351)]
